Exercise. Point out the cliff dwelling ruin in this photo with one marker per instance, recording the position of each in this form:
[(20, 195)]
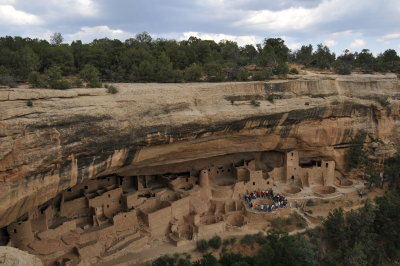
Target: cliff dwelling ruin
[(104, 216)]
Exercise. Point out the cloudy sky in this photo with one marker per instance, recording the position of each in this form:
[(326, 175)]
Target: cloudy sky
[(340, 24)]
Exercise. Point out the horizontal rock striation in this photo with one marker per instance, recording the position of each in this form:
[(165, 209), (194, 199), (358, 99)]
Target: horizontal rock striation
[(69, 136)]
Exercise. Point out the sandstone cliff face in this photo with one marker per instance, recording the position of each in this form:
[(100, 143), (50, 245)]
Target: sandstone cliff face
[(70, 136)]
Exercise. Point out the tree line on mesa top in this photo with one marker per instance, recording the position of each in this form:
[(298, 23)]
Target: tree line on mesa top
[(144, 59)]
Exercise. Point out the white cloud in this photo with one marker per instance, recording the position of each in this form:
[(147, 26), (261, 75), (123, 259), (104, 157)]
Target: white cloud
[(241, 40), (296, 18), (11, 16), (390, 36), (88, 34), (345, 33), (330, 43), (357, 43)]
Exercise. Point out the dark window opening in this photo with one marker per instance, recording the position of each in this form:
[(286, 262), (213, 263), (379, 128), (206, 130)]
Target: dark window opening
[(86, 187), (69, 189), (327, 164), (254, 183), (267, 182), (108, 206), (292, 153), (292, 177), (15, 230), (109, 195), (121, 179), (187, 179)]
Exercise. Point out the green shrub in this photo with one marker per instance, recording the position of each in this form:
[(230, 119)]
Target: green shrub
[(184, 262), (193, 72), (94, 84), (215, 242), (270, 98), (255, 103), (61, 84), (90, 74), (261, 75), (77, 83), (37, 80), (164, 261), (341, 68), (301, 225), (310, 203), (255, 238), (202, 245), (294, 71), (111, 89), (29, 103), (8, 80)]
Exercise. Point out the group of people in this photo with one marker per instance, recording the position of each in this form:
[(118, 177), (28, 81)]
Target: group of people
[(279, 201)]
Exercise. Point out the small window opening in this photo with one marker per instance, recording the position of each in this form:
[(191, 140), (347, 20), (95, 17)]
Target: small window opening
[(292, 177), (254, 183), (15, 230), (109, 195), (86, 187), (327, 164)]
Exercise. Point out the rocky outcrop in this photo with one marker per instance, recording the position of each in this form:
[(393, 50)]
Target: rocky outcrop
[(69, 136), (14, 257)]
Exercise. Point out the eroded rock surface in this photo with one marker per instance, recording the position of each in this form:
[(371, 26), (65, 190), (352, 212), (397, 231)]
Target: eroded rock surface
[(14, 257), (70, 136)]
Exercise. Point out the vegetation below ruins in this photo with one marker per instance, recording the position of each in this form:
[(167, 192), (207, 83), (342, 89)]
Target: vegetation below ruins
[(143, 59), (367, 236)]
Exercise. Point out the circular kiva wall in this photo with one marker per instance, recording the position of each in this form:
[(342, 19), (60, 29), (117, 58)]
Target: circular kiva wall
[(292, 190), (345, 182)]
